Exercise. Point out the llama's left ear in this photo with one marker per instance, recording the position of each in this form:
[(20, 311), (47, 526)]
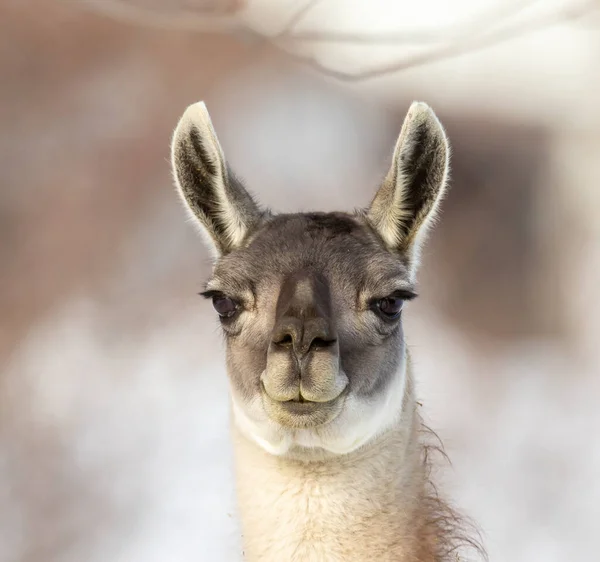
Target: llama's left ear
[(407, 201), (217, 200)]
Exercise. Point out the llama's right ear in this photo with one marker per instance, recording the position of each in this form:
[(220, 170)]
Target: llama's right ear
[(212, 194)]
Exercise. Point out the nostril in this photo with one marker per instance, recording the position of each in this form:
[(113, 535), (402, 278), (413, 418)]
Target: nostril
[(322, 343), (285, 340)]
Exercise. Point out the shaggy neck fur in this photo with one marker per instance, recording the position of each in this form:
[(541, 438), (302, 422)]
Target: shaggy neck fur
[(375, 503)]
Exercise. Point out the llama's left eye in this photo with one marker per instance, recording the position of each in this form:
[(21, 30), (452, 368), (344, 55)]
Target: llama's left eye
[(224, 306), (390, 307)]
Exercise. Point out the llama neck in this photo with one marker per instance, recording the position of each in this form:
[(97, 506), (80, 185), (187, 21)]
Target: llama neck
[(366, 505)]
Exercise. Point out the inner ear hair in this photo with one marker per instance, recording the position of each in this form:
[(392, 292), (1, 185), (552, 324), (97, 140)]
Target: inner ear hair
[(406, 203), (218, 201)]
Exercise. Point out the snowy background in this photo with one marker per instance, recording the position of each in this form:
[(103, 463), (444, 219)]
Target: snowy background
[(113, 397)]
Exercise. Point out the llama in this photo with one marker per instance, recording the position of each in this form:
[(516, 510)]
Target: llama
[(331, 455)]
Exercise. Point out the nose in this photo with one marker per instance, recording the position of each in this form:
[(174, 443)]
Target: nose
[(303, 315), (303, 335), (296, 369)]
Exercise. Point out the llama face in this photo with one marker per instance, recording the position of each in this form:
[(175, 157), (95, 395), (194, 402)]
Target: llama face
[(311, 304), (320, 323)]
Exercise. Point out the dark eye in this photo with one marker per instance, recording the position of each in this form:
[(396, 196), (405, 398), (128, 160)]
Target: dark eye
[(390, 307), (224, 306)]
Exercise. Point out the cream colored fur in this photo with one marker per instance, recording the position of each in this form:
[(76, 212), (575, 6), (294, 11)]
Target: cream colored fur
[(361, 506)]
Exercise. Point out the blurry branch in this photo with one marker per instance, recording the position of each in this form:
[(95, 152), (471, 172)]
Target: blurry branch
[(474, 25), (205, 20), (297, 18), (470, 43), (477, 34)]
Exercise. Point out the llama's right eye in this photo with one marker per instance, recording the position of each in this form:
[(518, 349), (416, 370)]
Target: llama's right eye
[(224, 306)]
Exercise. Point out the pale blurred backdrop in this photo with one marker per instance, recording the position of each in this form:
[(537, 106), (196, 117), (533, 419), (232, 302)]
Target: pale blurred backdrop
[(113, 404)]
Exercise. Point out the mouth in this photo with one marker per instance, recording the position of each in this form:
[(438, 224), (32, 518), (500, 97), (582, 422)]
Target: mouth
[(302, 414)]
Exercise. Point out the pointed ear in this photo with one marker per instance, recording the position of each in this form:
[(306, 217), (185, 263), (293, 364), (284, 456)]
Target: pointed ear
[(407, 201), (215, 198)]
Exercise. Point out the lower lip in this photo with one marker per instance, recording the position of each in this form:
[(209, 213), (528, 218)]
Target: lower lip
[(303, 414)]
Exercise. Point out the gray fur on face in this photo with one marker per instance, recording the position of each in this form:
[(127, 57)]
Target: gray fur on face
[(357, 268), (349, 262)]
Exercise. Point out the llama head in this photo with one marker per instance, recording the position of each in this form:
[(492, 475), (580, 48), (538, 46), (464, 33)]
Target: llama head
[(311, 303)]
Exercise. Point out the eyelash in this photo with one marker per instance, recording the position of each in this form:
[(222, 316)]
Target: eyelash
[(211, 294), (404, 294)]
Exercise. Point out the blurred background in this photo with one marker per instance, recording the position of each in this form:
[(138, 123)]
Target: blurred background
[(113, 397)]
